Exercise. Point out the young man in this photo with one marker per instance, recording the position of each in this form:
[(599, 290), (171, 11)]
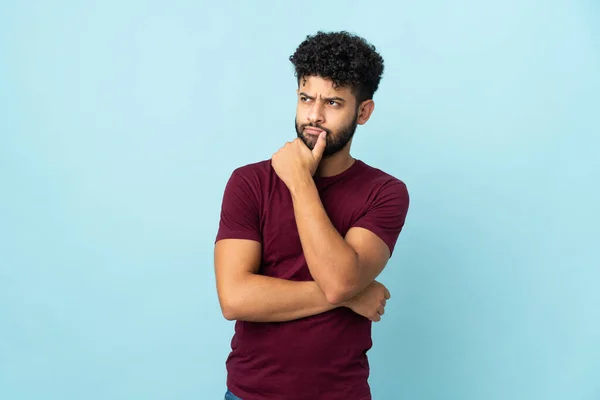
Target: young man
[(303, 236)]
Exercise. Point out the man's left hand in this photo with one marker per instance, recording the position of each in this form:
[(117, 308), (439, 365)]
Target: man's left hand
[(295, 161)]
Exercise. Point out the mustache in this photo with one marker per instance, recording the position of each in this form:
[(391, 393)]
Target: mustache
[(311, 125)]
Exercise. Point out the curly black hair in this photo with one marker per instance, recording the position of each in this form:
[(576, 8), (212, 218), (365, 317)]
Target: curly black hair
[(346, 59)]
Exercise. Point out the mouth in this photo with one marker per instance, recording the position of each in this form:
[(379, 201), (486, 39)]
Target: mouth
[(309, 130)]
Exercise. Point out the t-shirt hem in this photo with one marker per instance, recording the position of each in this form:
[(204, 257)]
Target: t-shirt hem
[(238, 235), (373, 229)]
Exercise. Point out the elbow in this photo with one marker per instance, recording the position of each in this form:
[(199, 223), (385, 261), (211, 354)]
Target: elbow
[(342, 288), (340, 294), (337, 298), (229, 309), (229, 314), (232, 300)]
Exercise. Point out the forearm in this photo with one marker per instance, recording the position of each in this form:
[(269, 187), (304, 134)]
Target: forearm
[(260, 298), (332, 262)]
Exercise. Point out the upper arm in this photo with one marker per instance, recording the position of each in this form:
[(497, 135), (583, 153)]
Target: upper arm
[(373, 237), (238, 242), (372, 254), (234, 260)]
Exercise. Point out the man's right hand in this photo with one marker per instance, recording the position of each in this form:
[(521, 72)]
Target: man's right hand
[(370, 303)]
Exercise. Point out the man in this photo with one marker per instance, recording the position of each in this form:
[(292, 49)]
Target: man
[(303, 236)]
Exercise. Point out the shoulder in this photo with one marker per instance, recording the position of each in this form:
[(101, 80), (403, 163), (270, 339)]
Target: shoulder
[(384, 183), (256, 168), (254, 173)]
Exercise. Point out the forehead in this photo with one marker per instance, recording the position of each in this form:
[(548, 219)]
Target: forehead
[(315, 85)]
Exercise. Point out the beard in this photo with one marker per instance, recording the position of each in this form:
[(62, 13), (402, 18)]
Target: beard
[(336, 141)]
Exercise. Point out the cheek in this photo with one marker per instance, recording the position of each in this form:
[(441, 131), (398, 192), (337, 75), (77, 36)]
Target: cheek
[(337, 120)]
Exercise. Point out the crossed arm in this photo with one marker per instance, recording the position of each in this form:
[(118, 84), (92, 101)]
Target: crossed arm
[(342, 267), (247, 296)]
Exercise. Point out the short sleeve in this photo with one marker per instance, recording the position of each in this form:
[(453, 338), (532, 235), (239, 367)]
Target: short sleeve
[(240, 212), (386, 215)]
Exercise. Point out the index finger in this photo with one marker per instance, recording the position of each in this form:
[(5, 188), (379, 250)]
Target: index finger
[(387, 294)]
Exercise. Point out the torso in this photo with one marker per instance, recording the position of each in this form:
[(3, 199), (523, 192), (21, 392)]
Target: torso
[(323, 356)]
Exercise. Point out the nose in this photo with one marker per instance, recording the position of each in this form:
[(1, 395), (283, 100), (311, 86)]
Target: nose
[(316, 114)]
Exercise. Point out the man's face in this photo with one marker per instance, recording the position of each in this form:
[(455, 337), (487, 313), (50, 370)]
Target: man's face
[(321, 107)]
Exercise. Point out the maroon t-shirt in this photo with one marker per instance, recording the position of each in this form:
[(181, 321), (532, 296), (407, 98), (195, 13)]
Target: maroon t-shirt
[(318, 357)]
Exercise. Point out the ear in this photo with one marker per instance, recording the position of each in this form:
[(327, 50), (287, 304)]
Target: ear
[(365, 110)]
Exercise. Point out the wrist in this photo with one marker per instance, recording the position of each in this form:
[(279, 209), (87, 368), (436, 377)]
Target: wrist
[(301, 185)]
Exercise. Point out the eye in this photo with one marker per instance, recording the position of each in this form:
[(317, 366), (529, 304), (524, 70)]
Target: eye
[(304, 99), (333, 103)]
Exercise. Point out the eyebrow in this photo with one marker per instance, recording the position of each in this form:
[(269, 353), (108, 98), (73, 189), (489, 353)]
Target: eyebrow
[(338, 99)]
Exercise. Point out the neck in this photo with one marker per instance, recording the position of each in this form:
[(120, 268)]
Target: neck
[(335, 164)]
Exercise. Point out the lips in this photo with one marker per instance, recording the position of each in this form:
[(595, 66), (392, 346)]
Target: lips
[(313, 131)]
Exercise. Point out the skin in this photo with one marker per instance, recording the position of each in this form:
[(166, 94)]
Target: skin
[(334, 109), (344, 268)]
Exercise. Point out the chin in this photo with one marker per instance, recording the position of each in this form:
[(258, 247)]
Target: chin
[(309, 141)]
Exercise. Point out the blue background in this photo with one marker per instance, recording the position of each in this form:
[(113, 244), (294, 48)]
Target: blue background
[(120, 123)]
